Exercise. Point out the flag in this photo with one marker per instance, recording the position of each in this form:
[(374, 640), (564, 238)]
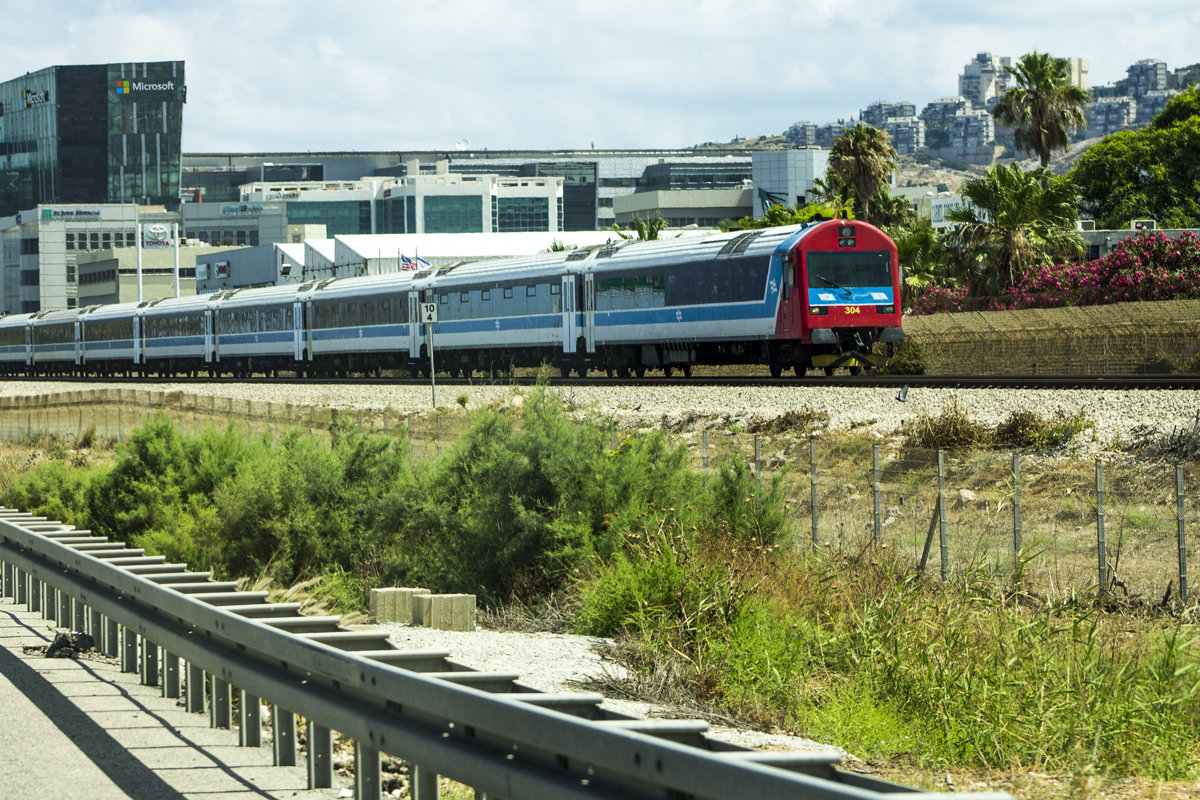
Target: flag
[(408, 264)]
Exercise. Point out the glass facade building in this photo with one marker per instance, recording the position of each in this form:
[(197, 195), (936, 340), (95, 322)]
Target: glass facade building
[(103, 133)]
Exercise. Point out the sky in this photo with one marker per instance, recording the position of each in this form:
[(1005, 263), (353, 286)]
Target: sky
[(300, 75)]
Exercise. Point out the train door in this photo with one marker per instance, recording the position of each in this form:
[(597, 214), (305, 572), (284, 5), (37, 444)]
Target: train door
[(589, 311), (414, 327), (28, 344), (78, 342), (298, 330), (210, 336), (138, 340), (570, 314), (789, 312)]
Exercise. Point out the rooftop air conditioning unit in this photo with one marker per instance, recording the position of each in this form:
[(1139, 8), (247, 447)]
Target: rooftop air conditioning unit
[(1142, 225)]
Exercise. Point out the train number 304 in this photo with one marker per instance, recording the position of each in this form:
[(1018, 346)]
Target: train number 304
[(852, 309)]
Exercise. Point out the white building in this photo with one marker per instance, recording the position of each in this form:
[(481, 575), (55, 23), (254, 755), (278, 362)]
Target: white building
[(785, 177)]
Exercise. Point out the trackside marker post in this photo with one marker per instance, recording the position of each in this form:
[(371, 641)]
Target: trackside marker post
[(429, 315)]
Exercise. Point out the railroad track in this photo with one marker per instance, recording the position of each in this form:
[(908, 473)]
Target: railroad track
[(1065, 382), (204, 640)]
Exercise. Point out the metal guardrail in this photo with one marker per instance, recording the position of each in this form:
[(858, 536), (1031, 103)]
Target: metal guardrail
[(484, 730)]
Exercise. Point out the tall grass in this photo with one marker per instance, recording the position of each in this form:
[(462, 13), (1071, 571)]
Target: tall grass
[(862, 654)]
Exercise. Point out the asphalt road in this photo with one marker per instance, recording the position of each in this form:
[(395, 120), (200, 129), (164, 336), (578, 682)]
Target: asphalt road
[(83, 729)]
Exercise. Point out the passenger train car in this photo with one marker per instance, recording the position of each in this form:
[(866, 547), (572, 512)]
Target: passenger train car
[(820, 296)]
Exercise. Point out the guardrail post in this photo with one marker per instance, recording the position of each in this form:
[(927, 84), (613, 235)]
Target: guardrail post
[(424, 782), (22, 588), (249, 720), (320, 757), (149, 669), (367, 783), (63, 618), (78, 615), (96, 627), (129, 650), (194, 698), (112, 637), (33, 594), (9, 580), (283, 747), (943, 533), (219, 711), (170, 673)]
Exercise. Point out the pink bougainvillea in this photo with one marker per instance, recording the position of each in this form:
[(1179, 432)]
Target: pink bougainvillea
[(1148, 266)]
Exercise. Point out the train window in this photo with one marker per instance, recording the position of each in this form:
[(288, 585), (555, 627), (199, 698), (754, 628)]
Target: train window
[(508, 293), (555, 288), (464, 297), (849, 268), (444, 299), (485, 295), (531, 291)]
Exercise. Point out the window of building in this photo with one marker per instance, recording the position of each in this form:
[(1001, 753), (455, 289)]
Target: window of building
[(516, 214), (95, 241), (70, 241), (454, 214), (106, 241)]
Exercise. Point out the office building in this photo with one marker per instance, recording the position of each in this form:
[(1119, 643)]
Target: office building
[(103, 133)]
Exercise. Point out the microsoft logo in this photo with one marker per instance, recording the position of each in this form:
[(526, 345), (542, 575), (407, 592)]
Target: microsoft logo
[(122, 87)]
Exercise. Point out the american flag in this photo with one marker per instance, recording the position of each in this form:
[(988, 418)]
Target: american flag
[(408, 264)]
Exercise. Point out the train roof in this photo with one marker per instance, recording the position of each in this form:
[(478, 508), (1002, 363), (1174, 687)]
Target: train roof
[(14, 320), (266, 295), (174, 305), (620, 254), (115, 310)]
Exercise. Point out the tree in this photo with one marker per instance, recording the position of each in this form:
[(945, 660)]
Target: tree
[(1151, 173), (1014, 220), (921, 252), (778, 215), (1043, 107), (861, 160)]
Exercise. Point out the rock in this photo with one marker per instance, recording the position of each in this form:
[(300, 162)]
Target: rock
[(965, 497), (69, 645)]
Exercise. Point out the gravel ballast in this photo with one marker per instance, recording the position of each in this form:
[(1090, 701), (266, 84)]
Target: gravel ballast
[(1114, 414)]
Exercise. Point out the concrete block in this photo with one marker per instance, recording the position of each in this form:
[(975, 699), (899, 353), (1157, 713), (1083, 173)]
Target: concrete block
[(451, 612), (407, 602), (421, 605)]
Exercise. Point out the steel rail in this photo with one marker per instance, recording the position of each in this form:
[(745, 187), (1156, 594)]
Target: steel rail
[(1179, 381), (511, 742)]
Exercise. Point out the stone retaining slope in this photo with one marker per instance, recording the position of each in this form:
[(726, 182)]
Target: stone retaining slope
[(1089, 340)]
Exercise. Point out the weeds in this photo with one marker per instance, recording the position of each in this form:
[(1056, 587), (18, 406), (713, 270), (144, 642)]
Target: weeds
[(953, 429)]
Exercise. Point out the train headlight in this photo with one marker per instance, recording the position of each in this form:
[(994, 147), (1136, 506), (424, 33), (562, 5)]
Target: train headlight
[(818, 311), (845, 231), (885, 309)]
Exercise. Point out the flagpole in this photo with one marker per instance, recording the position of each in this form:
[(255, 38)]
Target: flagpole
[(139, 261)]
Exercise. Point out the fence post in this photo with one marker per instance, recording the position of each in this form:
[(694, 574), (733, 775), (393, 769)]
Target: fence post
[(1016, 469), (942, 531), (876, 489), (757, 472), (812, 478), (1101, 550), (1180, 528), (703, 453)]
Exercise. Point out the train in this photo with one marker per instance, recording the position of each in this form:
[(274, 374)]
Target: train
[(821, 296)]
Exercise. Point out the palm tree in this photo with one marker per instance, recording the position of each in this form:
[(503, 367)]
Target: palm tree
[(861, 160), (1043, 107), (1013, 220)]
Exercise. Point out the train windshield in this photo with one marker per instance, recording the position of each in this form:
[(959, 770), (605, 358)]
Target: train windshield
[(846, 268)]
